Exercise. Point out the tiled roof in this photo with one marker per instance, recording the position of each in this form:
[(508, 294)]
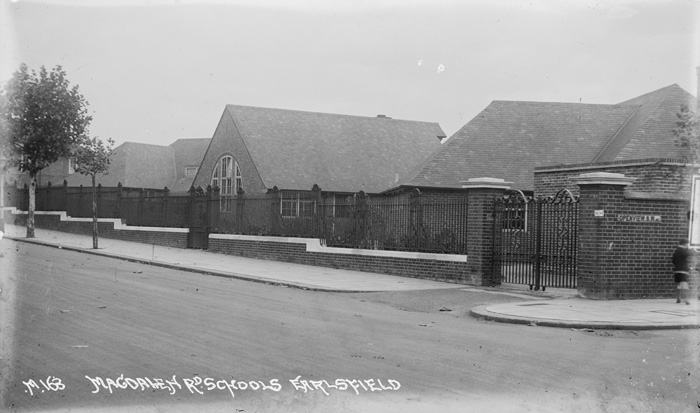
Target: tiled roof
[(509, 139), (138, 165), (648, 133), (295, 149), (148, 166), (187, 152)]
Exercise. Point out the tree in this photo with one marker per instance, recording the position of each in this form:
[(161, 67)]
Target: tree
[(42, 118), (687, 133), (92, 158)]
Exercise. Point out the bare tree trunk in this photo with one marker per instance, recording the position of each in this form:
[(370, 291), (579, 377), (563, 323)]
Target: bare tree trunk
[(32, 206), (94, 213)]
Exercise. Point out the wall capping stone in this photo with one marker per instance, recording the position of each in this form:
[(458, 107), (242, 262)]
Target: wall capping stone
[(118, 225), (603, 178), (656, 196), (486, 183)]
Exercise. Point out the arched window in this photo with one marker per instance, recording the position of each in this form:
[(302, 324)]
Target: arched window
[(226, 176)]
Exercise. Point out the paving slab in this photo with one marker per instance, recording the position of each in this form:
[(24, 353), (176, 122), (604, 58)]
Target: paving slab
[(601, 314)]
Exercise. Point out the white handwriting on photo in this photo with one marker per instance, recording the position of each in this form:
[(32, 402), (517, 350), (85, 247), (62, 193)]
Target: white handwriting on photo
[(199, 385)]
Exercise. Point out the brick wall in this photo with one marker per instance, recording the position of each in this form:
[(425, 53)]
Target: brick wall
[(309, 252), (622, 255), (56, 221), (652, 175)]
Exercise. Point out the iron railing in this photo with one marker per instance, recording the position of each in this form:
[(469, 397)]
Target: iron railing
[(409, 222)]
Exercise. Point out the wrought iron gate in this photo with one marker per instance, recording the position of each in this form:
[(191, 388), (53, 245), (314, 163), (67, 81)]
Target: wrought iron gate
[(203, 216), (536, 239)]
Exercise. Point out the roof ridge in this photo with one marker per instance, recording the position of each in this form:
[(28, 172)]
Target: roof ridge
[(385, 118), (141, 143), (555, 103), (663, 94), (665, 89)]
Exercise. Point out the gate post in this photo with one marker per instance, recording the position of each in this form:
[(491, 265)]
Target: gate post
[(80, 208), (240, 210), (214, 208), (318, 215), (44, 199), (119, 201), (99, 208), (480, 226), (601, 196), (360, 220), (142, 197), (191, 216), (275, 214), (166, 205)]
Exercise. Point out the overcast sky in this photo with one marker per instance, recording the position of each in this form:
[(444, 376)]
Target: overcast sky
[(156, 71)]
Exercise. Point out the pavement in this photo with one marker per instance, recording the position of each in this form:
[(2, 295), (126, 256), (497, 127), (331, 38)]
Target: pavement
[(552, 308)]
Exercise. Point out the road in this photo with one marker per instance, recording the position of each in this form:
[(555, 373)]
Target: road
[(75, 320)]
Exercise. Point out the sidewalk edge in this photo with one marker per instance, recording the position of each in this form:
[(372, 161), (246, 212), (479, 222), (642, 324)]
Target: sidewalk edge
[(482, 312), (202, 271)]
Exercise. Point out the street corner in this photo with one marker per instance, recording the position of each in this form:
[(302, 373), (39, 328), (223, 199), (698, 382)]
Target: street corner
[(656, 314)]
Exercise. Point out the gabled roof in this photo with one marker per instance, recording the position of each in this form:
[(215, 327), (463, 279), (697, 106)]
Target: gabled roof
[(187, 152), (648, 132), (509, 139), (295, 150)]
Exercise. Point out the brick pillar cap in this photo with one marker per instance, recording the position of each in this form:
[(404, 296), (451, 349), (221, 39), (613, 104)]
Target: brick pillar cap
[(603, 178), (494, 183)]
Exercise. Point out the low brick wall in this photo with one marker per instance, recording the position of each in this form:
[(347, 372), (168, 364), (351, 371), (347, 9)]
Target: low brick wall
[(439, 267), (626, 241), (107, 228)]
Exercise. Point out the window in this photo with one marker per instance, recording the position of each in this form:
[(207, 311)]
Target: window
[(71, 166), (191, 171), (295, 206), (343, 206), (227, 177)]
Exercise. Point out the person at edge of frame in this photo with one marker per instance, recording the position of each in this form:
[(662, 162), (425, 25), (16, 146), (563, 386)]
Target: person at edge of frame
[(682, 259)]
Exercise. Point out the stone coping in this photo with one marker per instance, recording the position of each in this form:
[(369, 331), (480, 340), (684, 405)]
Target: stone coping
[(118, 225), (314, 245)]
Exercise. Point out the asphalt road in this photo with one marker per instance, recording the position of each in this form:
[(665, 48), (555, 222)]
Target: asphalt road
[(176, 341)]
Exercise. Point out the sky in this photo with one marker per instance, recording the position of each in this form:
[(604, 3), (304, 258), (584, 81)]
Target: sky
[(156, 71)]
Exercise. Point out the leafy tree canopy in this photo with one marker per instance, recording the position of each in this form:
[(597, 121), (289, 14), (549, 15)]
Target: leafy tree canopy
[(92, 156), (42, 118), (687, 133)]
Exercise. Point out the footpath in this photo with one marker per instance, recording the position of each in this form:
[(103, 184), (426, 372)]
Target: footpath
[(553, 308)]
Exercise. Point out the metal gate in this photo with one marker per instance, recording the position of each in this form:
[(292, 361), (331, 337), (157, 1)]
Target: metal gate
[(536, 239), (203, 216)]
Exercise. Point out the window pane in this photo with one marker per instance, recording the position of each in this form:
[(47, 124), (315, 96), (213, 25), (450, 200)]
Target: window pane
[(306, 208), (288, 207), (226, 167), (239, 180), (226, 186)]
